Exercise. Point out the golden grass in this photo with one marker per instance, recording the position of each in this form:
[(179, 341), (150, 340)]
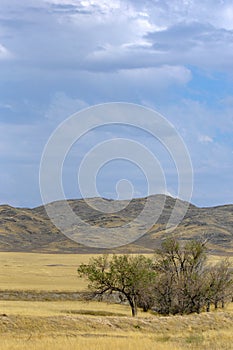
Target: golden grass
[(32, 271), (48, 272), (136, 342), (80, 325), (212, 331), (213, 259), (54, 308)]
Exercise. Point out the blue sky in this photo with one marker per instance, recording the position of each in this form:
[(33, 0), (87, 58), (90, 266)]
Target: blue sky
[(60, 56)]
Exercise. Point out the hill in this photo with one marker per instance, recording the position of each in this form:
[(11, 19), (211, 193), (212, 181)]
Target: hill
[(30, 230)]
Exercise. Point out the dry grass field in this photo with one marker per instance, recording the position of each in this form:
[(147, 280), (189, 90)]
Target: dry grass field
[(46, 272), (32, 271), (66, 330), (64, 324)]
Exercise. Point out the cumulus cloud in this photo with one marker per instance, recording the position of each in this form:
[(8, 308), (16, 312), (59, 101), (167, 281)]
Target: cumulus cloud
[(197, 44), (175, 56), (166, 13), (114, 35)]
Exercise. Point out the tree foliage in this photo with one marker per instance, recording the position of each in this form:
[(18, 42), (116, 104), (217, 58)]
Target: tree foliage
[(177, 280), (131, 276), (220, 284)]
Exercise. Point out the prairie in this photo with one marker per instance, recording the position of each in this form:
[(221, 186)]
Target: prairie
[(52, 327), (47, 272), (75, 324), (33, 271)]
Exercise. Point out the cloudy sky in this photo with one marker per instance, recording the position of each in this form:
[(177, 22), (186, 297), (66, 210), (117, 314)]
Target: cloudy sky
[(60, 56)]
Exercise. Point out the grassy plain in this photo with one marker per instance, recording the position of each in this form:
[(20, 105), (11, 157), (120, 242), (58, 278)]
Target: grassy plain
[(46, 272), (32, 271), (39, 325)]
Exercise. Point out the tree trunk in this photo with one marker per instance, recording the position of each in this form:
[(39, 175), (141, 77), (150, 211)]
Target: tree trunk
[(133, 305), (134, 311), (198, 308)]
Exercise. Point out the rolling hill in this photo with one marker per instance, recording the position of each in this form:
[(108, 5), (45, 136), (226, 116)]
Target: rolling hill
[(30, 230)]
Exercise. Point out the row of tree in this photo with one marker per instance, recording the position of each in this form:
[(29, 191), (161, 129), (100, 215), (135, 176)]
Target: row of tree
[(177, 280)]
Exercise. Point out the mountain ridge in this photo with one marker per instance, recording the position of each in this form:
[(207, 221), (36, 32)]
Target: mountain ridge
[(30, 229)]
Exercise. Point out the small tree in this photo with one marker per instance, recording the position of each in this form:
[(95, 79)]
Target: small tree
[(220, 284), (132, 276), (185, 283), (179, 287), (178, 280)]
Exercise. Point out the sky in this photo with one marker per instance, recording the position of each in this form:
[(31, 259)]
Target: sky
[(60, 56)]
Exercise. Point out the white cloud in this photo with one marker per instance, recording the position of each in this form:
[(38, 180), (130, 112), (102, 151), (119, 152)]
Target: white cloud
[(197, 44), (114, 35), (4, 53), (205, 139), (6, 106), (227, 101), (62, 106), (95, 51), (167, 13), (199, 125), (158, 78)]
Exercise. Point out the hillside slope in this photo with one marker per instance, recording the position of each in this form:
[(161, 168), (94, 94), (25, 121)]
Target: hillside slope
[(23, 229)]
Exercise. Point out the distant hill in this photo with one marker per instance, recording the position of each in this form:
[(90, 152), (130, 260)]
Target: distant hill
[(30, 230)]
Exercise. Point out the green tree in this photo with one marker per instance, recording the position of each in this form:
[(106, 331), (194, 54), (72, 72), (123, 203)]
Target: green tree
[(132, 276), (177, 280)]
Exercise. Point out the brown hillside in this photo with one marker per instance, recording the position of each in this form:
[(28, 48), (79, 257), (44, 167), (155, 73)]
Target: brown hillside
[(23, 229)]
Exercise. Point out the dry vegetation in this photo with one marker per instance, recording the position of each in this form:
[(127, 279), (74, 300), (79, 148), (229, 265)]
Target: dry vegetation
[(75, 331), (30, 230), (32, 271), (93, 325)]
